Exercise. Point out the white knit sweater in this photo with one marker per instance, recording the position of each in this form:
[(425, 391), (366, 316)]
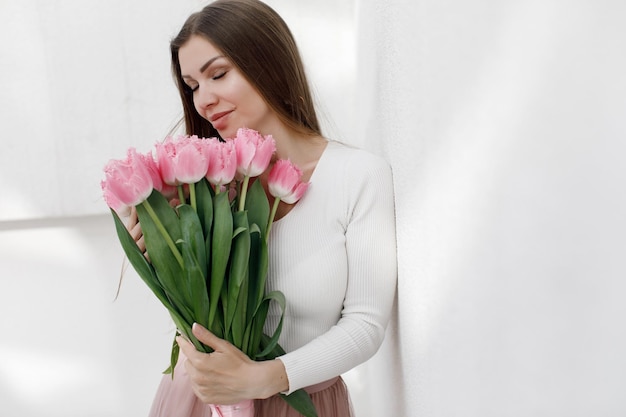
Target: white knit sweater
[(334, 257)]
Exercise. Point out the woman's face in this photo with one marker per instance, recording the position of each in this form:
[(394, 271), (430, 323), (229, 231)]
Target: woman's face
[(221, 94)]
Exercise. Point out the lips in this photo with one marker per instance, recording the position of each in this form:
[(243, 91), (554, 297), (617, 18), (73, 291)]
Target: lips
[(220, 120), (216, 116)]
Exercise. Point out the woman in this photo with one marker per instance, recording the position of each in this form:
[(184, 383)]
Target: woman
[(332, 254)]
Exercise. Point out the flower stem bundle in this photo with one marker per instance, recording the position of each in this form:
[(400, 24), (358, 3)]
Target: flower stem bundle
[(206, 220)]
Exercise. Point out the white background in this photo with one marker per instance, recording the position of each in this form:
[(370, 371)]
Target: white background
[(503, 122)]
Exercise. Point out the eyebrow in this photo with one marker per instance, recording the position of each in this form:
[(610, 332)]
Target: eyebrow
[(205, 65)]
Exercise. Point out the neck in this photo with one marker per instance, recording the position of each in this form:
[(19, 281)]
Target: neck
[(299, 148)]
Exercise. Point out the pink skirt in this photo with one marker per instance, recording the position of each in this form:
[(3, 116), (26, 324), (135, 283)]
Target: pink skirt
[(331, 399), (175, 398)]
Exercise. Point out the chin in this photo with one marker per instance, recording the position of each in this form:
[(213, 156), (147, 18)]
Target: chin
[(231, 132)]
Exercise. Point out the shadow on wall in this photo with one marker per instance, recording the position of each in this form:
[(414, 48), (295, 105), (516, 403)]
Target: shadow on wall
[(66, 345)]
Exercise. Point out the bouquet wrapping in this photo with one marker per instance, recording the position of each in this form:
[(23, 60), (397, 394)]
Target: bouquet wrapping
[(206, 219)]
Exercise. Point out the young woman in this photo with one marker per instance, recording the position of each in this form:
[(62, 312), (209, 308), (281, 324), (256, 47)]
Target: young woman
[(332, 254)]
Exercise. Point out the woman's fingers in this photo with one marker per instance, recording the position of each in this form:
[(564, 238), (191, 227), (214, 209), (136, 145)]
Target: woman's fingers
[(140, 241), (206, 337), (134, 228), (209, 338), (185, 345), (132, 219), (220, 377)]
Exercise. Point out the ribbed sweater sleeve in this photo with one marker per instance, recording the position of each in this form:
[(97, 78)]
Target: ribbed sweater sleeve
[(365, 211)]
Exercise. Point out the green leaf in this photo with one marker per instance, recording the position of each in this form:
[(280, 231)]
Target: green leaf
[(257, 206), (166, 266), (239, 230), (191, 231), (256, 329), (194, 256), (238, 327), (237, 298), (279, 297), (166, 215), (221, 241), (258, 269), (144, 269), (173, 357), (204, 200), (141, 265), (300, 401)]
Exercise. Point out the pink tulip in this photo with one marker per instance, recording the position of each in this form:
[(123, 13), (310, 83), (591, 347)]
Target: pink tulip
[(112, 201), (128, 182), (284, 182), (181, 161), (153, 169), (165, 155), (168, 191), (222, 161), (254, 152), (191, 164)]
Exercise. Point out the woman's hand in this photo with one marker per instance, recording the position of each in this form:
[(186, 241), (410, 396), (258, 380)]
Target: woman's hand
[(134, 228), (227, 375)]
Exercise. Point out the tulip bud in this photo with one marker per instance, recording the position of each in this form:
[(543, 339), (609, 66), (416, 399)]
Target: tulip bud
[(128, 182), (284, 182), (222, 161), (254, 152), (181, 161)]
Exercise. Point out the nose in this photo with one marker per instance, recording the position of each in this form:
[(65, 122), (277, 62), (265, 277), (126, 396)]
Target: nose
[(204, 98)]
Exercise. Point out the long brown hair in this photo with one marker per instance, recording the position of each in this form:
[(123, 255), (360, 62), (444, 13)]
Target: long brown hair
[(259, 43)]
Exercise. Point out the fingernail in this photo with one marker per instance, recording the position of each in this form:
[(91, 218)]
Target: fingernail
[(193, 326)]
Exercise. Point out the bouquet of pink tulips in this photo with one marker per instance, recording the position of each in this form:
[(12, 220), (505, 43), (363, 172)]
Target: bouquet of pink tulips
[(206, 220)]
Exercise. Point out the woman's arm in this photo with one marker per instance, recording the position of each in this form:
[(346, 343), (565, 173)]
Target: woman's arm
[(370, 245)]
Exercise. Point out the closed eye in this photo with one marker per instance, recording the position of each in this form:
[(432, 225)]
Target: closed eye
[(219, 75)]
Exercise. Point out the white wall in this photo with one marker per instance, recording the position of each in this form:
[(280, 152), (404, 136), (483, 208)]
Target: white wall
[(503, 124), (67, 346)]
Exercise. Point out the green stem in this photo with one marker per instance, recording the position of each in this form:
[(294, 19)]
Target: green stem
[(166, 236), (271, 220), (244, 191), (192, 197), (181, 194)]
